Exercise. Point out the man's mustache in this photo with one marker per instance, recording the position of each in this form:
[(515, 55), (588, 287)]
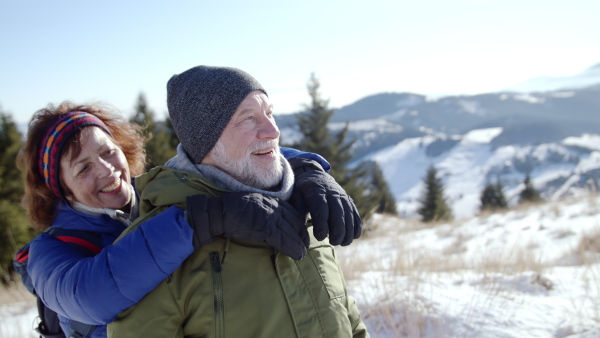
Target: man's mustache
[(264, 144)]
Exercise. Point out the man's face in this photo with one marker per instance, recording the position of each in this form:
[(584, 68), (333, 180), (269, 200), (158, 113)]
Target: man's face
[(248, 148)]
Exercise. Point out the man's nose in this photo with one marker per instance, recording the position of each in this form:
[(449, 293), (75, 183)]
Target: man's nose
[(268, 129)]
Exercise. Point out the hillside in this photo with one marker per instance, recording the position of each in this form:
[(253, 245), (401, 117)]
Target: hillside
[(476, 139), (586, 78), (529, 272)]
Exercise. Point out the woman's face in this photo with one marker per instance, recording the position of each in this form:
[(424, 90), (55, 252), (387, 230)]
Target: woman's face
[(99, 176)]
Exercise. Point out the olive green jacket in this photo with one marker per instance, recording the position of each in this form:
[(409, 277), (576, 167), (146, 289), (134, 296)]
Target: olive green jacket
[(233, 288)]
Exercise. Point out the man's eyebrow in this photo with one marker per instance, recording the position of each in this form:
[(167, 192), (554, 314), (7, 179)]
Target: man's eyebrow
[(244, 112)]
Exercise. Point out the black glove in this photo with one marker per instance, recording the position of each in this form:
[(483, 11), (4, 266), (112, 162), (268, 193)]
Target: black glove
[(331, 209), (248, 216)]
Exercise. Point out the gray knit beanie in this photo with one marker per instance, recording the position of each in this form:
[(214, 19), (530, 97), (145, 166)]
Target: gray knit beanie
[(201, 101)]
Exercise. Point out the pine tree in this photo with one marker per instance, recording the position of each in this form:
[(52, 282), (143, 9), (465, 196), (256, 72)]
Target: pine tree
[(172, 138), (11, 184), (529, 193), (387, 203), (492, 197), (143, 115), (317, 138), (433, 205), (14, 229), (159, 147), (487, 197)]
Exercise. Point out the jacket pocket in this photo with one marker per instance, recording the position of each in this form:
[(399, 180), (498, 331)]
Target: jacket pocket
[(325, 263)]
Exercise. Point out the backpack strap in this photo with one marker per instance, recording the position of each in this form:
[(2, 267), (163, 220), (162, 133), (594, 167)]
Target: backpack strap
[(80, 238), (20, 265), (81, 330), (77, 238), (90, 241), (49, 325)]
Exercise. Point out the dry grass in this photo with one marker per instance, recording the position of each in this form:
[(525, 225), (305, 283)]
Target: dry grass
[(15, 293), (403, 320), (510, 261), (404, 311), (15, 300), (590, 242)]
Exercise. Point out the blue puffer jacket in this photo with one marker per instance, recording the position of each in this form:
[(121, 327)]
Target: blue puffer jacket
[(95, 289), (289, 153)]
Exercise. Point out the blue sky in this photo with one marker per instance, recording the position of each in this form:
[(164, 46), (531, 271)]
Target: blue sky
[(113, 50)]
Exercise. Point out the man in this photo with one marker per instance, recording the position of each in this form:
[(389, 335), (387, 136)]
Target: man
[(239, 285)]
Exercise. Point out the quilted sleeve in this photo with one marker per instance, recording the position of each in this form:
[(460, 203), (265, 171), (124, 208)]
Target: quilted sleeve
[(94, 290), (290, 153)]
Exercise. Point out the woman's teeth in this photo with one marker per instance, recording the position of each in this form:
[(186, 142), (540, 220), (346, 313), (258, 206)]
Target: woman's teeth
[(112, 186)]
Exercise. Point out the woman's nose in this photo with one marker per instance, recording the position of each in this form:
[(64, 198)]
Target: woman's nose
[(105, 169)]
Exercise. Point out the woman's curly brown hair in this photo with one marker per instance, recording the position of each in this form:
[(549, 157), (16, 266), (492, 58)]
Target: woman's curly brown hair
[(38, 199)]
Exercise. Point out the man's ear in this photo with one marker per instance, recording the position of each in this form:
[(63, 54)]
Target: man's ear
[(208, 158)]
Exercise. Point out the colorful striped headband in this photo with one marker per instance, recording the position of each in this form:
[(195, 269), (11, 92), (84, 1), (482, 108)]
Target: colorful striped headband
[(53, 142)]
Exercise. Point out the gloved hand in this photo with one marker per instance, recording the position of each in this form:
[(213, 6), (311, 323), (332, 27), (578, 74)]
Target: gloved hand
[(331, 209), (248, 216)]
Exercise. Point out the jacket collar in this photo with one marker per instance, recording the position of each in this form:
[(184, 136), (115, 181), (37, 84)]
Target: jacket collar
[(181, 161)]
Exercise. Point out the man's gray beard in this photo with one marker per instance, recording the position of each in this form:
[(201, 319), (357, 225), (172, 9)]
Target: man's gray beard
[(245, 171)]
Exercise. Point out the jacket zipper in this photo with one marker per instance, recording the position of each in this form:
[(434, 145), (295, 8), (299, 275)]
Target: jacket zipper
[(218, 294)]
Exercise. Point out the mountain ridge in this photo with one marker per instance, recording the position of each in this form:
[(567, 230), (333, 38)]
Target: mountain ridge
[(405, 133)]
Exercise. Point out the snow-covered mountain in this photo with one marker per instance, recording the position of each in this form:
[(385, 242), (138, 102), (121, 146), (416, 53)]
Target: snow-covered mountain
[(588, 77), (557, 169), (472, 140)]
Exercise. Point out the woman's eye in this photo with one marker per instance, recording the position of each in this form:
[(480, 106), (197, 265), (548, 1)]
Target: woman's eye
[(108, 152), (84, 169)]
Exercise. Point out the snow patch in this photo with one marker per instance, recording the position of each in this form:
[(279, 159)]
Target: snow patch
[(481, 136), (529, 98), (585, 141)]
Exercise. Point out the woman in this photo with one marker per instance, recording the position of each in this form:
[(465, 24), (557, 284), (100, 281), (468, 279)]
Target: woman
[(79, 163)]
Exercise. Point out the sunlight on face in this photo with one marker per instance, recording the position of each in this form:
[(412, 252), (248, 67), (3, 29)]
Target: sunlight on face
[(248, 148), (99, 176)]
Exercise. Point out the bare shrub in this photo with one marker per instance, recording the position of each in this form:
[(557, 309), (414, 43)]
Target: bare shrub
[(510, 261), (590, 242), (404, 320)]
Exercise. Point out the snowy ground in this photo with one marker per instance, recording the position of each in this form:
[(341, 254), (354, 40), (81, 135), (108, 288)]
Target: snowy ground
[(527, 272), (17, 314), (523, 273)]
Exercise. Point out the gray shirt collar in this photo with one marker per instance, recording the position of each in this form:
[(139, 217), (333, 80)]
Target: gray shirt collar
[(123, 217)]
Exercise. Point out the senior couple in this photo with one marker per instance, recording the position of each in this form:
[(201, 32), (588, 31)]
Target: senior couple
[(212, 244)]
